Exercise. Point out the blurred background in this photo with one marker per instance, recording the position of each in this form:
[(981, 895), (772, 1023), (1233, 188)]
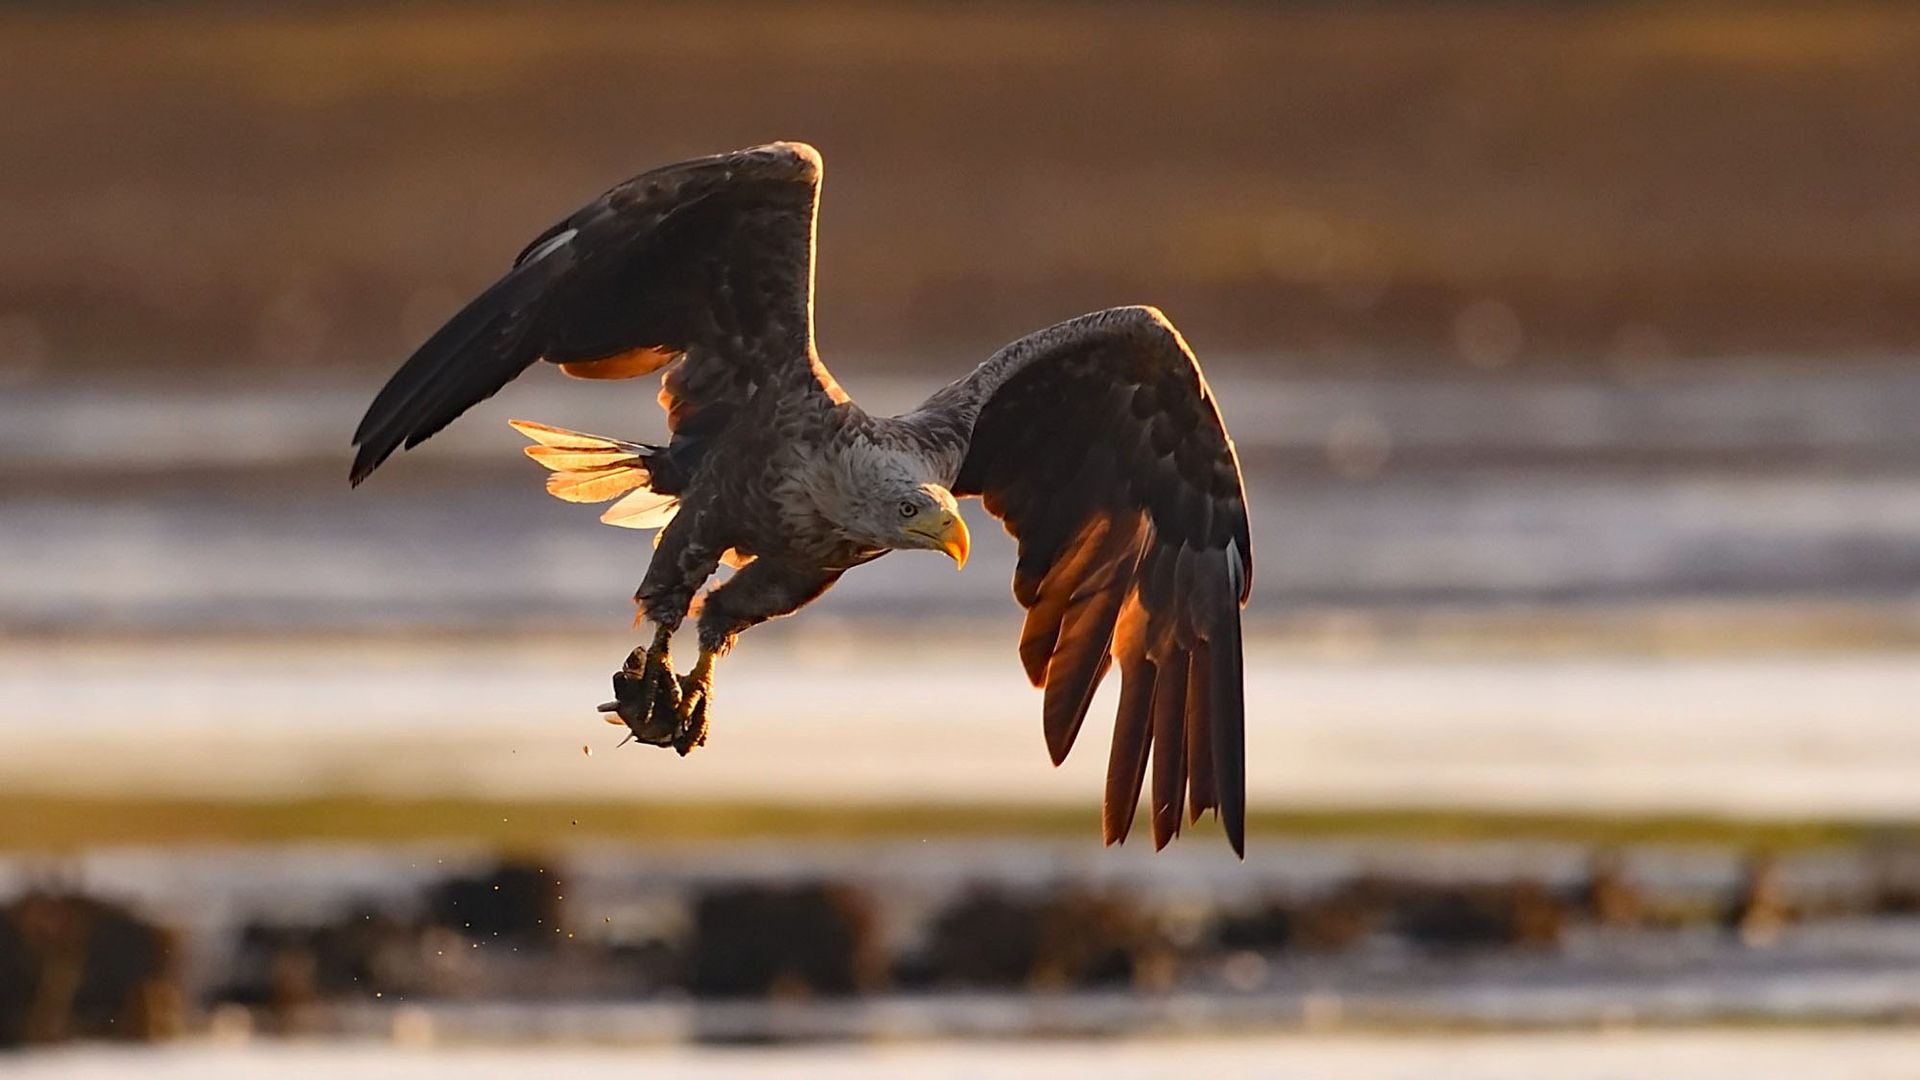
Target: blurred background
[(1569, 348)]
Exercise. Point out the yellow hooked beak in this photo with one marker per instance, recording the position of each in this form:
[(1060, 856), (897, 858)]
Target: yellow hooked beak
[(949, 534)]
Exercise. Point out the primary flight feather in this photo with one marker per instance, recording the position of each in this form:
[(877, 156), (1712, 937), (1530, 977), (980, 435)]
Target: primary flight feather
[(1096, 443)]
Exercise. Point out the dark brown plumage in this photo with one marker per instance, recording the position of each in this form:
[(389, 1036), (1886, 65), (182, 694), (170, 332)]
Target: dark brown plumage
[(1096, 442), (709, 258)]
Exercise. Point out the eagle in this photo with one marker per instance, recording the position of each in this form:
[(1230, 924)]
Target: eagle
[(1096, 443)]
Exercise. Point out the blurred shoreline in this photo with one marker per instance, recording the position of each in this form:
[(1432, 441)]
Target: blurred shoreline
[(858, 940)]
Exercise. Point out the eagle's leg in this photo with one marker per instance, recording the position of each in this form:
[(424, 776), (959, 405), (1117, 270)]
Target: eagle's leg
[(646, 691), (761, 590)]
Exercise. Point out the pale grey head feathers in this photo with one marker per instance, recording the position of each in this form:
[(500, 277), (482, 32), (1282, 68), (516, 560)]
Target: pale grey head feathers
[(888, 498)]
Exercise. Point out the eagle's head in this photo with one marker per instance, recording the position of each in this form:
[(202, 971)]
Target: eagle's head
[(926, 516), (882, 497)]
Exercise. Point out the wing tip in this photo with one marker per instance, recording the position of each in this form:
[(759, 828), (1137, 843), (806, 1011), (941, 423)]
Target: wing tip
[(1115, 828), (364, 462), (1164, 835), (1058, 747)]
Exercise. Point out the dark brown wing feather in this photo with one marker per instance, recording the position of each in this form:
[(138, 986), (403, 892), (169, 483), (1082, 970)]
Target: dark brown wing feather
[(1098, 444), (710, 260)]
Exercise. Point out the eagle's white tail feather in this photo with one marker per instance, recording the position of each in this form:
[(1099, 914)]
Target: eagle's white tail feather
[(597, 485), (590, 468), (642, 510), (559, 458), (547, 435)]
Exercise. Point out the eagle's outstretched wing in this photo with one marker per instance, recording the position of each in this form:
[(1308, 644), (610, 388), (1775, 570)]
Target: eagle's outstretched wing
[(711, 260), (1098, 445)]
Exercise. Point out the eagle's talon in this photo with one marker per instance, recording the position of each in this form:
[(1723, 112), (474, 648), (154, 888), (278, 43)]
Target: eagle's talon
[(695, 696), (696, 699), (647, 696)]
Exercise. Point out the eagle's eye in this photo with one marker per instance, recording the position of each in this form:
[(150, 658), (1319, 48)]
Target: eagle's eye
[(907, 508)]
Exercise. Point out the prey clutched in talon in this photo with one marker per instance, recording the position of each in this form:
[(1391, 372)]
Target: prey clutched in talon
[(660, 708), (646, 695)]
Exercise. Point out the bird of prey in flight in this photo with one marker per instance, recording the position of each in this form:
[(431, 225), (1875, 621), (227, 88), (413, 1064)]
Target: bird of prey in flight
[(1096, 443)]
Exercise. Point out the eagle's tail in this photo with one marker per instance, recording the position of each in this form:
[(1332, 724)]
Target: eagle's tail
[(592, 468)]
